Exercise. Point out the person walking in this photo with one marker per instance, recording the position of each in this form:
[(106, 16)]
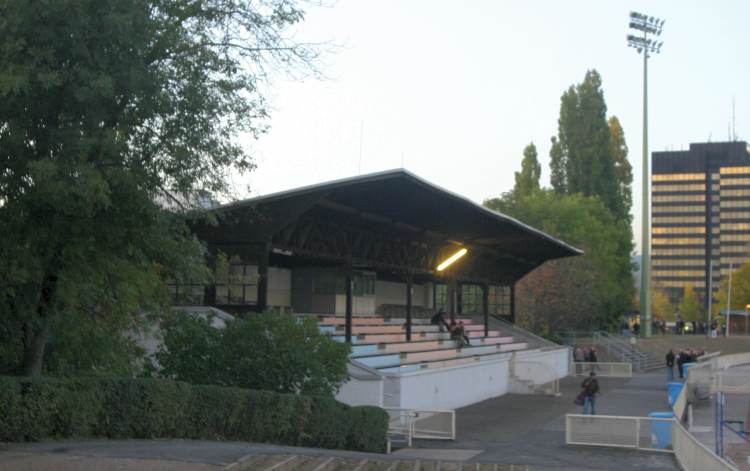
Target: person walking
[(590, 389), (670, 365)]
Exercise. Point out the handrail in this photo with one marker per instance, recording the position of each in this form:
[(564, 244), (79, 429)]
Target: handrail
[(524, 331)]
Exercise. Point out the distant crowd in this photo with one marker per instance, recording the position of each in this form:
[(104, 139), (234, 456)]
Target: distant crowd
[(585, 355), (686, 355), (681, 327)]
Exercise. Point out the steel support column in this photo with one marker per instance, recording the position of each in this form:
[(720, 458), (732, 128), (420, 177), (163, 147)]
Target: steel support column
[(263, 254), (486, 308), (349, 289), (513, 303), (409, 290)]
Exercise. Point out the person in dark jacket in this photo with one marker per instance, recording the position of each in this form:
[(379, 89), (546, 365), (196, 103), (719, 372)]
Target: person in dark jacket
[(670, 365), (679, 361), (590, 389), (439, 321)]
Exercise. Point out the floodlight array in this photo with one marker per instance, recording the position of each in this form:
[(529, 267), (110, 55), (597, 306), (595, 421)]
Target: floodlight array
[(647, 25)]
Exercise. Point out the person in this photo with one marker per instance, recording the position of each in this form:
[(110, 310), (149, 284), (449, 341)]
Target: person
[(695, 328), (457, 333), (462, 333), (680, 360), (578, 355), (663, 327), (670, 365), (592, 355), (439, 320), (636, 328), (590, 389)]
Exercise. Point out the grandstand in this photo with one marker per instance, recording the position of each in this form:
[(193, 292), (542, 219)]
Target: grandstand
[(362, 256)]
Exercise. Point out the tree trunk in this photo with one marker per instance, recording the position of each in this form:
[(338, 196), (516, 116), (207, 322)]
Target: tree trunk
[(34, 343)]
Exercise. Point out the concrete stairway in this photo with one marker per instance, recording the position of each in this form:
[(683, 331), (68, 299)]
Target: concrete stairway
[(332, 463)]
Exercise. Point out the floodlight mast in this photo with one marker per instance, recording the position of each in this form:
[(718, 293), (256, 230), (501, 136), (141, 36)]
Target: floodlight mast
[(647, 25)]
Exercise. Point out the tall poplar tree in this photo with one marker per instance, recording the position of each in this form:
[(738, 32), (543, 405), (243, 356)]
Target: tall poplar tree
[(527, 180), (623, 169), (581, 157)]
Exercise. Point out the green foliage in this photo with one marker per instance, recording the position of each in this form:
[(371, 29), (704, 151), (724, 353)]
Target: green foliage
[(603, 275), (690, 307), (740, 290), (661, 306), (47, 408), (583, 159), (111, 111), (527, 180), (264, 351)]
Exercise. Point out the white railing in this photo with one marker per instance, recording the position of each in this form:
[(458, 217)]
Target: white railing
[(609, 370), (640, 433), (732, 383), (680, 404), (404, 425), (694, 455), (435, 425)]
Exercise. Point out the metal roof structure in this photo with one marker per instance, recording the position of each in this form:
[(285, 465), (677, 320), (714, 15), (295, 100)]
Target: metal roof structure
[(395, 204)]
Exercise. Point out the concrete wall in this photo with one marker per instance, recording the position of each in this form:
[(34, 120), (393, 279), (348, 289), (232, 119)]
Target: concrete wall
[(362, 392), (454, 387), (389, 292), (361, 305)]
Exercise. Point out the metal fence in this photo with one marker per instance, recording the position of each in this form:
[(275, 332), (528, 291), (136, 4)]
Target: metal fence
[(640, 433), (404, 425), (694, 455), (610, 370)]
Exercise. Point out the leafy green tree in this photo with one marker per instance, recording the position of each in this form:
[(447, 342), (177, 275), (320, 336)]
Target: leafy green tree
[(690, 306), (581, 157), (269, 351), (623, 169), (661, 306), (111, 110), (585, 223), (740, 290), (527, 180)]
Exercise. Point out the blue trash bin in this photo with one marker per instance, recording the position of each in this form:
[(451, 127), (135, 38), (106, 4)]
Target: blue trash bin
[(661, 431), (673, 390), (685, 368)]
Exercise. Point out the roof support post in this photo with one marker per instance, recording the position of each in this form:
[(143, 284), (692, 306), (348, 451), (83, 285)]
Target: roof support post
[(409, 292), (349, 307), (513, 303), (486, 308), (451, 298), (460, 298), (264, 250)]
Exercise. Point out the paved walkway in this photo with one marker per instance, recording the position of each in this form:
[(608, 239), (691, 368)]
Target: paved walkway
[(513, 429), (516, 429)]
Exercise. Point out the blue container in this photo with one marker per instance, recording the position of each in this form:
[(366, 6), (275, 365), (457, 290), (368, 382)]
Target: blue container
[(685, 367), (661, 431), (673, 390)]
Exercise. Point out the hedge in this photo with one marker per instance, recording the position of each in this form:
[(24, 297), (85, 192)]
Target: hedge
[(33, 409)]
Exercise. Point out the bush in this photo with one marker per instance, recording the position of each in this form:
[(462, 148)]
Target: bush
[(33, 409), (264, 351)]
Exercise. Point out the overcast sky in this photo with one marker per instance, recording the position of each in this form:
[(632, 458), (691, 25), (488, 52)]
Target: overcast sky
[(453, 91)]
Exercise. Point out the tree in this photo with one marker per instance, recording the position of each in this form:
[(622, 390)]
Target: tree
[(585, 223), (661, 306), (109, 110), (740, 290), (690, 305), (269, 351), (527, 180), (623, 169), (581, 157)]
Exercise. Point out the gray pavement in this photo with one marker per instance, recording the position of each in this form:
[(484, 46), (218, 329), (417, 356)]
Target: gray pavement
[(513, 429)]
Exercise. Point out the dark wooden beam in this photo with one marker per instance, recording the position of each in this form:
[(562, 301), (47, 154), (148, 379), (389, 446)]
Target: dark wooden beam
[(264, 251), (486, 308), (349, 289), (409, 292)]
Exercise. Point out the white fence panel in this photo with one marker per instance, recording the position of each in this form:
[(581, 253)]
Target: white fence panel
[(694, 455), (435, 425), (641, 433), (609, 370)]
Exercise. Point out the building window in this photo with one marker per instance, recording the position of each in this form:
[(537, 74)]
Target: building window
[(328, 283), (499, 300), (471, 299), (441, 296), (236, 283), (186, 294)]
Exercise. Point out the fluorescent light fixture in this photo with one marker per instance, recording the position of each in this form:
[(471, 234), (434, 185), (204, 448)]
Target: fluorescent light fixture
[(449, 261)]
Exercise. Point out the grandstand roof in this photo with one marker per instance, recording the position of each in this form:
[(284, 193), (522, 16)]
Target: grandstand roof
[(395, 205)]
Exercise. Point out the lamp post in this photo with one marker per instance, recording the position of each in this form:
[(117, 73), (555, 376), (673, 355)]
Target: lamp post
[(646, 25)]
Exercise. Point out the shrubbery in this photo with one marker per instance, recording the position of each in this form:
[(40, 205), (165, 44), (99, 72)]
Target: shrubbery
[(46, 408), (264, 351)]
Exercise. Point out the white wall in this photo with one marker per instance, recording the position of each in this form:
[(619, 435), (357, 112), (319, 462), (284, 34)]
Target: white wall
[(542, 366), (389, 292), (361, 305), (454, 387), (360, 392)]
